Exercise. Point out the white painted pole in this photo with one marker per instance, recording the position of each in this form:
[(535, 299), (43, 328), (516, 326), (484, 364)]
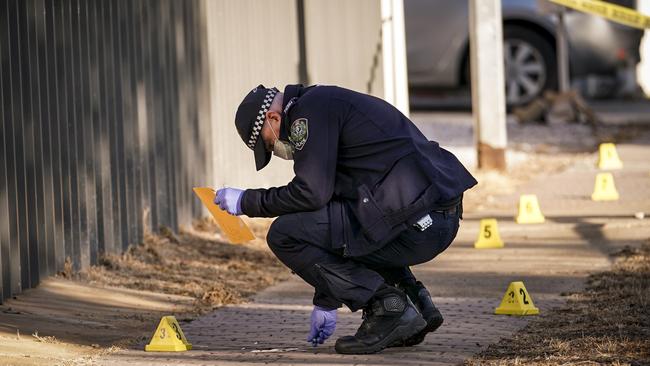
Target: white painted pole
[(562, 46), (643, 69), (488, 84), (394, 54)]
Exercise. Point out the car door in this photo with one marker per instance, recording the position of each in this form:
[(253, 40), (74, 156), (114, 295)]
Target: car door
[(436, 33)]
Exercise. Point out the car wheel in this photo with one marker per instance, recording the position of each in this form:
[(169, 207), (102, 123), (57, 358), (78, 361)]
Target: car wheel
[(530, 66)]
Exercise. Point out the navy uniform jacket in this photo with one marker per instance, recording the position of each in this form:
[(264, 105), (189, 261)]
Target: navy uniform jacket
[(365, 160)]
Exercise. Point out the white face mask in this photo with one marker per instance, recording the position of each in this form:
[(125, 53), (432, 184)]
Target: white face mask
[(281, 149)]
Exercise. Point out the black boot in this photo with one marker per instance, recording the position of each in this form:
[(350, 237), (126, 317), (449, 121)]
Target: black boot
[(389, 317), (422, 300)]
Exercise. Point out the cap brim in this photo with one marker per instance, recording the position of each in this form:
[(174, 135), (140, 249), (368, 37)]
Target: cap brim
[(262, 157)]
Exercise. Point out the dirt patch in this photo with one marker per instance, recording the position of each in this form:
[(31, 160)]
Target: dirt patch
[(24, 351), (608, 323), (194, 263), (546, 150), (493, 183)]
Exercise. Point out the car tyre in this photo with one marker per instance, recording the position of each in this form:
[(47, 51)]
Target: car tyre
[(530, 65), (544, 53)]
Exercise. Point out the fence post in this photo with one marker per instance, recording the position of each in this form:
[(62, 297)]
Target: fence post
[(394, 52), (643, 70), (488, 84)]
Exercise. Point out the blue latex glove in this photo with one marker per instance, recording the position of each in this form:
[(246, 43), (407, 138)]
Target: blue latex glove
[(323, 323), (229, 200)]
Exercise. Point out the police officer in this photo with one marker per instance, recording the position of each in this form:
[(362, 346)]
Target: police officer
[(371, 196)]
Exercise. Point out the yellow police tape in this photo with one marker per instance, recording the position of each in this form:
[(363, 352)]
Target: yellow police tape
[(616, 13)]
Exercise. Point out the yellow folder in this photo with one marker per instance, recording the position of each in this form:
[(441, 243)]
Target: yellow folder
[(234, 227)]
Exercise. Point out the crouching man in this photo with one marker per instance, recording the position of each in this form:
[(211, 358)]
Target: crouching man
[(371, 196)]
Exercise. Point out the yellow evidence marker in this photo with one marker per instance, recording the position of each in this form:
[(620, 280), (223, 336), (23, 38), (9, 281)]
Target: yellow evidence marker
[(529, 211), (516, 301), (488, 236), (604, 188), (168, 337), (608, 157), (234, 227)]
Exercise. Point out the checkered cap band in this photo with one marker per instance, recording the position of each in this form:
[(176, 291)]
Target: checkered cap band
[(261, 116)]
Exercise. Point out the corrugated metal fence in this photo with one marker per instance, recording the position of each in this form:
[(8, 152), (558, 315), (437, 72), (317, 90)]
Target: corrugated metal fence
[(105, 128)]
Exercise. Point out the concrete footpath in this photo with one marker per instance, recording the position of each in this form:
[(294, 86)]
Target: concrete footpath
[(467, 284)]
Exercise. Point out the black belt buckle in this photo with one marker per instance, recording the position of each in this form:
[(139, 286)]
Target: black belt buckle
[(448, 211), (452, 210)]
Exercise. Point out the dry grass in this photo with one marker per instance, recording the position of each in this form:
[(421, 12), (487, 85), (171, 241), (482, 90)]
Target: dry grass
[(46, 339), (193, 263), (608, 323)]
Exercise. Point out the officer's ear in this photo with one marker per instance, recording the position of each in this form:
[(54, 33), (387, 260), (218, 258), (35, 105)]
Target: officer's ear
[(274, 118)]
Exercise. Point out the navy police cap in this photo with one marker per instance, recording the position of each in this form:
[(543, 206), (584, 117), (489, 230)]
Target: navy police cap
[(249, 121)]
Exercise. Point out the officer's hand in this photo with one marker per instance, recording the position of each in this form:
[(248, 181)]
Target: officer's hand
[(323, 323), (229, 199)]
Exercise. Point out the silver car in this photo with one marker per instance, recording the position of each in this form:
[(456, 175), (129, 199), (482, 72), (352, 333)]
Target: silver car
[(437, 37)]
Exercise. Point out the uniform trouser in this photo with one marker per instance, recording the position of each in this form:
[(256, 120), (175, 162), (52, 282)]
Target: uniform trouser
[(302, 242)]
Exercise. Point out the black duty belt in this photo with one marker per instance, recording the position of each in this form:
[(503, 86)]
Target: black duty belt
[(448, 208)]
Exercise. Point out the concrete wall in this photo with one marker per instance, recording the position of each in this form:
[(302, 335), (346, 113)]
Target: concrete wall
[(342, 44), (254, 41), (249, 42)]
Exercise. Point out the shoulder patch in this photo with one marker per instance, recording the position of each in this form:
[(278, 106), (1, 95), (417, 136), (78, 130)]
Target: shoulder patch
[(299, 133)]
